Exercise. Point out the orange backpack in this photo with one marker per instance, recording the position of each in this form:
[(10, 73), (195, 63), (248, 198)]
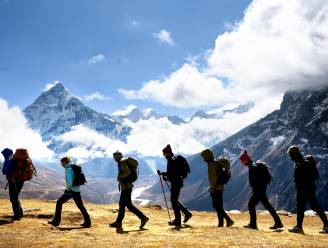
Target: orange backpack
[(25, 169)]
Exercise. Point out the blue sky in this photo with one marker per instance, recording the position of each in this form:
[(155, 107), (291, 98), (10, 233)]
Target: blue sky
[(42, 41)]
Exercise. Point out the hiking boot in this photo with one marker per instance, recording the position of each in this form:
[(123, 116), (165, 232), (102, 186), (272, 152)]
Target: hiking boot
[(187, 217), (143, 222), (251, 226), (53, 223), (324, 230), (172, 223), (115, 225), (86, 224), (276, 226), (16, 218), (230, 223), (296, 229)]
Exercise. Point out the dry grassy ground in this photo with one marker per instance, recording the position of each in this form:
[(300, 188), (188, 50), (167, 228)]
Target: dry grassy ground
[(33, 230)]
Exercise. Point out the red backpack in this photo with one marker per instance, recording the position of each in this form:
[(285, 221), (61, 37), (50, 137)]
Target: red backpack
[(25, 169)]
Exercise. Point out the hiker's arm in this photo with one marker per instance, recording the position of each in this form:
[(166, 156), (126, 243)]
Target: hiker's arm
[(69, 178), (125, 172), (212, 176)]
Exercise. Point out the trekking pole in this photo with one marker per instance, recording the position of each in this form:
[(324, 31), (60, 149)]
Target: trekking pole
[(168, 212)]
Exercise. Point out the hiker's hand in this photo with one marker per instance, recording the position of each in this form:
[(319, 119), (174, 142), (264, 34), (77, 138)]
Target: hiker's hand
[(68, 191), (159, 172), (165, 178)]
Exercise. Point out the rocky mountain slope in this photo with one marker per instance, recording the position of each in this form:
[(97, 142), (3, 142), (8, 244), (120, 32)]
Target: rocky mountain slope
[(302, 120)]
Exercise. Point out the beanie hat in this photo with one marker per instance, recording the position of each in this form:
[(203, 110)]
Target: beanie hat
[(293, 150), (167, 149), (244, 157), (117, 154)]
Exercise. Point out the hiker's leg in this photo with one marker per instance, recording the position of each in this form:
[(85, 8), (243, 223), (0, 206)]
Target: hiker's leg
[(317, 208), (13, 195), (264, 200), (131, 207), (122, 204), (301, 203), (251, 207), (224, 214), (216, 205), (175, 192), (59, 205), (19, 186), (79, 203), (183, 209)]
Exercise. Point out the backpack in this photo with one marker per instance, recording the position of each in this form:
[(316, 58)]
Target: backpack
[(313, 169), (224, 171), (9, 163), (133, 167), (79, 178), (184, 168), (263, 173), (24, 168)]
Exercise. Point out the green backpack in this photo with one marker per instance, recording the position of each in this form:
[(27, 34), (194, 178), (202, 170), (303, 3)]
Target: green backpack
[(133, 167)]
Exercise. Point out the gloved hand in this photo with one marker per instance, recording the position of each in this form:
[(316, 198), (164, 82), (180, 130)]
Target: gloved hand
[(165, 178), (159, 172)]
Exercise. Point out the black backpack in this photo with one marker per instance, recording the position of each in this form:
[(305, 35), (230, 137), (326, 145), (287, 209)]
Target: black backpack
[(263, 173), (79, 178), (224, 171), (314, 173), (134, 171), (184, 168)]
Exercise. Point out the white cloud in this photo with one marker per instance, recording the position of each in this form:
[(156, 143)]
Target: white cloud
[(124, 111), (49, 86), (96, 96), (96, 59), (15, 133), (135, 23), (278, 46), (165, 37)]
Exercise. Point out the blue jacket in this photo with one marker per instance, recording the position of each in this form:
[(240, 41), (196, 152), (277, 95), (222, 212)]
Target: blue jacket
[(69, 176)]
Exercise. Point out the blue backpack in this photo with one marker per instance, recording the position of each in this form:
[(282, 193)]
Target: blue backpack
[(9, 163)]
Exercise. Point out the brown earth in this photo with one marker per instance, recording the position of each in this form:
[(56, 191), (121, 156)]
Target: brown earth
[(33, 230)]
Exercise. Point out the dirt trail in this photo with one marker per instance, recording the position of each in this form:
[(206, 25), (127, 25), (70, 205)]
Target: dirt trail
[(33, 230)]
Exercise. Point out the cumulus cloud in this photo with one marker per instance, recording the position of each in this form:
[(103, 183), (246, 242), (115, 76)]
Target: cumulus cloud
[(148, 137), (96, 96), (278, 46), (135, 23), (165, 37), (15, 133), (96, 59)]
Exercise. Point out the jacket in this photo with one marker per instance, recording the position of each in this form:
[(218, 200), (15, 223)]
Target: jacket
[(302, 176), (213, 170), (69, 176), (255, 178), (173, 172), (123, 173)]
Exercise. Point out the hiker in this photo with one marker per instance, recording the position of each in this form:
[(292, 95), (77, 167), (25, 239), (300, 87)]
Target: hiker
[(259, 178), (15, 184), (72, 191), (177, 170), (126, 176), (305, 175), (216, 188)]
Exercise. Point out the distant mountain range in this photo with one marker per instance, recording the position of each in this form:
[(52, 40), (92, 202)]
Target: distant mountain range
[(302, 120)]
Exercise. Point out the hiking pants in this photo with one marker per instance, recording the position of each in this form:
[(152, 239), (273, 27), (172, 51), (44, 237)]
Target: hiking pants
[(14, 190), (302, 199), (125, 201), (217, 203), (176, 205), (260, 196), (78, 201)]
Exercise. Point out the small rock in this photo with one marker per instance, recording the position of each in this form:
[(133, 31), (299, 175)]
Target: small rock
[(310, 213)]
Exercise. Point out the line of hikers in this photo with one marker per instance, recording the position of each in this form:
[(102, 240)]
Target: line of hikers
[(18, 167)]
